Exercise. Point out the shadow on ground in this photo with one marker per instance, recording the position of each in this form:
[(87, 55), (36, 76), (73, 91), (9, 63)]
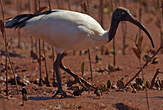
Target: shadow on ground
[(47, 98), (159, 97), (11, 54), (121, 106)]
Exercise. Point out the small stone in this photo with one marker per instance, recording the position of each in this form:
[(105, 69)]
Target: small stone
[(114, 86), (10, 97), (134, 90), (58, 107), (26, 82)]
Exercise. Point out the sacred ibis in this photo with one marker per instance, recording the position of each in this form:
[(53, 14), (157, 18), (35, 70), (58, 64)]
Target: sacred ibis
[(67, 30)]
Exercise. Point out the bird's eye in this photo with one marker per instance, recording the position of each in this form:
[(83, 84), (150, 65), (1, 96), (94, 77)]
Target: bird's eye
[(123, 13)]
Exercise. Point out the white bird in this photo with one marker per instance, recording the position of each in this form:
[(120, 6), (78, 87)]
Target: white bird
[(67, 30)]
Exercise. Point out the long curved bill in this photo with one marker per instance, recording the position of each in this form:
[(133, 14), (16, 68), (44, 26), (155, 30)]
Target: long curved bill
[(137, 23)]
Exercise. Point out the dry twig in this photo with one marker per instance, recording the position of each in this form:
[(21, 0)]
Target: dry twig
[(141, 69), (154, 77), (85, 8), (6, 44)]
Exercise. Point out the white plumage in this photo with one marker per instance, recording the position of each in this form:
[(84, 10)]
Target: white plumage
[(67, 30)]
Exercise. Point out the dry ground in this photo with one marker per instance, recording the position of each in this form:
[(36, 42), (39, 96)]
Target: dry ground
[(40, 97)]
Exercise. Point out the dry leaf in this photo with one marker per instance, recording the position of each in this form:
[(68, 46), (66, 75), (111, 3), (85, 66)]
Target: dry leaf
[(137, 52)]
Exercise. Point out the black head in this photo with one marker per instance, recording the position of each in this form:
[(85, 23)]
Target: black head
[(123, 14)]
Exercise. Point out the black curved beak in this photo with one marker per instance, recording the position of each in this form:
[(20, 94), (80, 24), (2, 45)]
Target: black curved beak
[(137, 23)]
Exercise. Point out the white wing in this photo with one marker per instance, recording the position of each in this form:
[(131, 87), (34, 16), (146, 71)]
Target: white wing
[(65, 29)]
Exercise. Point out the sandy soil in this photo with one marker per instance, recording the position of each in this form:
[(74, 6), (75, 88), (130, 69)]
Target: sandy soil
[(39, 98)]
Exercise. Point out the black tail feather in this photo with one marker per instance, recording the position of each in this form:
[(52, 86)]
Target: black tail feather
[(19, 21)]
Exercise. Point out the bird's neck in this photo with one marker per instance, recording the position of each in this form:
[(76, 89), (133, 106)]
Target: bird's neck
[(109, 34), (113, 29)]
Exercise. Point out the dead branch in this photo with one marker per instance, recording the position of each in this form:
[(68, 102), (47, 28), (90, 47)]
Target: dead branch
[(141, 69)]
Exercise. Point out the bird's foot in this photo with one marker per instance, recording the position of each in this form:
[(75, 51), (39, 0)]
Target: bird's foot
[(47, 82), (60, 92)]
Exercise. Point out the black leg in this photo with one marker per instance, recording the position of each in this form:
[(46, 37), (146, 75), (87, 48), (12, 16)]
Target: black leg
[(77, 78), (58, 76)]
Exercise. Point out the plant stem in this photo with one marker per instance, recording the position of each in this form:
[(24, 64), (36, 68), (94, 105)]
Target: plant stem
[(90, 64), (101, 14), (6, 45), (54, 81), (124, 31), (35, 6), (85, 8), (19, 40), (40, 64), (141, 69), (13, 71), (69, 4), (140, 16), (154, 77), (29, 5), (45, 63), (161, 28), (49, 5)]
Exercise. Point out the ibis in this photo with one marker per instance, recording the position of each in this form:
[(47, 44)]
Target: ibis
[(70, 30)]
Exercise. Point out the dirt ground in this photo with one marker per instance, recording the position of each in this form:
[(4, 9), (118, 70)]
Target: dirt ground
[(39, 98)]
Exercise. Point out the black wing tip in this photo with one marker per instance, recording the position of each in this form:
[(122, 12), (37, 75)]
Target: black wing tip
[(19, 21), (9, 23)]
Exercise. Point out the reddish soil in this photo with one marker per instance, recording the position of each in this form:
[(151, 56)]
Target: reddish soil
[(40, 97)]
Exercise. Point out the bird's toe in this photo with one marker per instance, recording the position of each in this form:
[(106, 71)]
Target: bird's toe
[(60, 92)]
